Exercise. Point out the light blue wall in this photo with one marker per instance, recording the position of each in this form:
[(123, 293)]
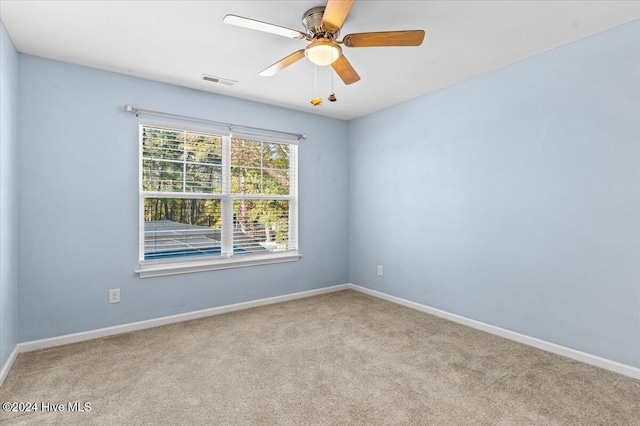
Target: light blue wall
[(9, 78), (79, 203), (513, 198)]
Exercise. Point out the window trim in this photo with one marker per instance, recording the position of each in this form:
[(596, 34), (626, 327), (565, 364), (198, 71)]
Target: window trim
[(155, 268), (149, 270)]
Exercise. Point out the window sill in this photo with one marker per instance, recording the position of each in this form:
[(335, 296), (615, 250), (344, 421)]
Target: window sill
[(149, 270)]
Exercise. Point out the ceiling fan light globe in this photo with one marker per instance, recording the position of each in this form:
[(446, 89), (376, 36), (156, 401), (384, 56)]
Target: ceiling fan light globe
[(322, 53)]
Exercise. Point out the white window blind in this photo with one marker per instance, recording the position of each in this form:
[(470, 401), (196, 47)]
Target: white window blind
[(208, 196)]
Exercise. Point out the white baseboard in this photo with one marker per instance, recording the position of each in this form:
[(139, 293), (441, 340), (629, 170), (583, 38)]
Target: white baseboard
[(624, 369), (156, 322), (7, 365), (607, 364)]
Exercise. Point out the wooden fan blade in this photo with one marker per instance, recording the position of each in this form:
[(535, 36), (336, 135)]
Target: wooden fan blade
[(282, 64), (262, 26), (335, 13), (387, 38), (345, 70)]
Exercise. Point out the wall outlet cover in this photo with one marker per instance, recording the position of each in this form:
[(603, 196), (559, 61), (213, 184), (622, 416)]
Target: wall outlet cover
[(114, 295)]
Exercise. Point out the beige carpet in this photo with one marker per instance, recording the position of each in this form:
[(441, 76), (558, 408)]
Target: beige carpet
[(342, 358)]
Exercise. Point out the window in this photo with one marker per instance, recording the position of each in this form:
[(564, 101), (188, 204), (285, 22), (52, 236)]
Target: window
[(210, 201)]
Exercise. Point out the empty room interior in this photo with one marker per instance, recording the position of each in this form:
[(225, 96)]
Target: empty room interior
[(320, 212)]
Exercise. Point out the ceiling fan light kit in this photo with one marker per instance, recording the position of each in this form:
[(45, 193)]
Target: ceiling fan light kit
[(323, 52), (323, 25)]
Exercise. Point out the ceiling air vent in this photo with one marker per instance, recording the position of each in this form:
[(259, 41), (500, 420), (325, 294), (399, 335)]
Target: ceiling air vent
[(219, 80)]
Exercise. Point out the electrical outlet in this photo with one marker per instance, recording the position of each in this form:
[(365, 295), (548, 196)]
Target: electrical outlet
[(380, 270), (114, 295)]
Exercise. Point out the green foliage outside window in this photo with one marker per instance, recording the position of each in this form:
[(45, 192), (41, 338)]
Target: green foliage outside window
[(184, 162)]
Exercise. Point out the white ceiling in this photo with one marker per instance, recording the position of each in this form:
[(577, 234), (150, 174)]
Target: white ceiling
[(178, 41)]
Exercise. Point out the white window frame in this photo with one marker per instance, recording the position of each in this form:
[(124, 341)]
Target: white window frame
[(226, 259)]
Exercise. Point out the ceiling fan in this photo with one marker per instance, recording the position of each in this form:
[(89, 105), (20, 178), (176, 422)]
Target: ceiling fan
[(323, 24)]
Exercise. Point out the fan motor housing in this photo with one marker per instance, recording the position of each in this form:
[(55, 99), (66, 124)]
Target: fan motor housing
[(312, 21)]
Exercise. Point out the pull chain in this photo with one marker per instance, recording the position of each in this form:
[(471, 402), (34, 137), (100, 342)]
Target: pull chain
[(332, 96), (316, 100)]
